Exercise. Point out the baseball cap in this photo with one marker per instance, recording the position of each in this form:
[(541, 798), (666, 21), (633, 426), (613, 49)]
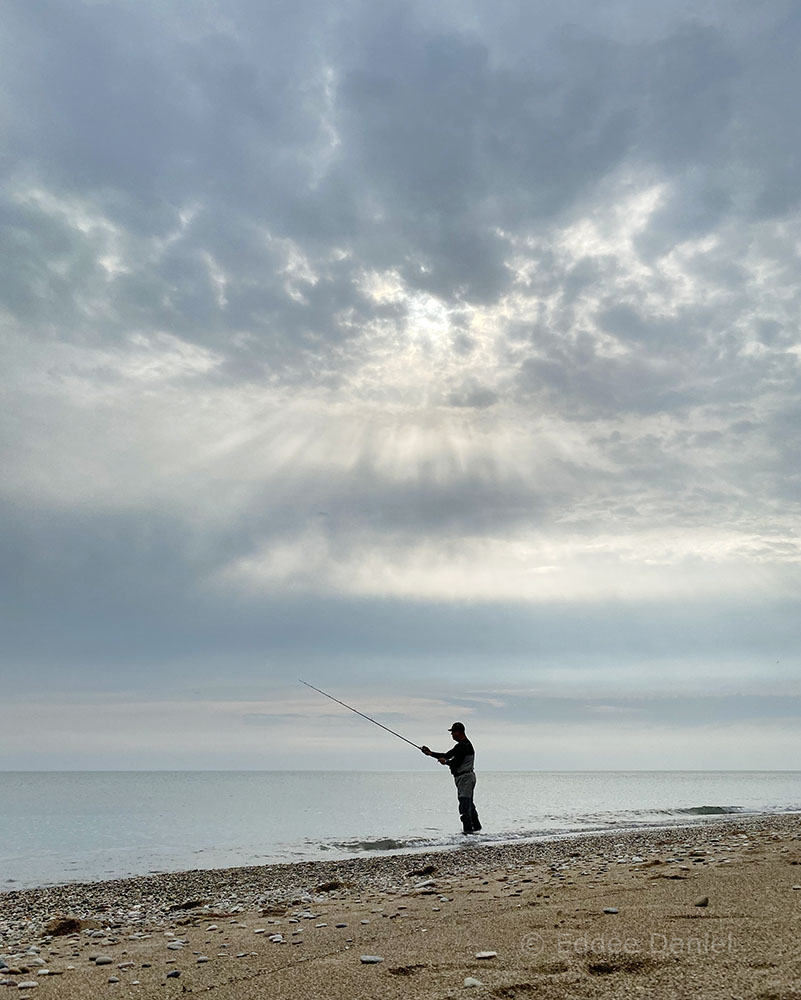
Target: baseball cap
[(457, 725)]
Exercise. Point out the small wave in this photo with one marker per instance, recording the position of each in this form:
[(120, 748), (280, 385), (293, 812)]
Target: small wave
[(379, 844), (558, 827), (706, 810)]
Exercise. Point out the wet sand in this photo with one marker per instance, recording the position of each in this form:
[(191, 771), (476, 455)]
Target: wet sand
[(712, 910)]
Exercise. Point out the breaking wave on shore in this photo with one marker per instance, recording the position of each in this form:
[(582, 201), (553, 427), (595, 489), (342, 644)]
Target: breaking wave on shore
[(597, 823)]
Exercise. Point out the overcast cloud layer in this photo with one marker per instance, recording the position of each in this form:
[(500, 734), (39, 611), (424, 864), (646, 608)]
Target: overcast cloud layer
[(445, 354)]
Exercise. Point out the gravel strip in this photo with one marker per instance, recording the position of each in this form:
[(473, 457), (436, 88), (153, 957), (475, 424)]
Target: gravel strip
[(161, 899)]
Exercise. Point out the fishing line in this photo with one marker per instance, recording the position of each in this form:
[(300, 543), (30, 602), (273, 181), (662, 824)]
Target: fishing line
[(350, 709)]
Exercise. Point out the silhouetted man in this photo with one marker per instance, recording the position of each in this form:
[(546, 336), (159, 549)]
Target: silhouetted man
[(460, 759)]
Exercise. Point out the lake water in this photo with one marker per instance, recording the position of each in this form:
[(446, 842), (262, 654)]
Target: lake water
[(84, 826)]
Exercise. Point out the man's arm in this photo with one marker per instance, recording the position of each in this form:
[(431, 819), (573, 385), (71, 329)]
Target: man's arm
[(443, 758)]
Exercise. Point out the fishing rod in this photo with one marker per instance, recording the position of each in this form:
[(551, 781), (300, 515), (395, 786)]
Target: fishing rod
[(342, 703)]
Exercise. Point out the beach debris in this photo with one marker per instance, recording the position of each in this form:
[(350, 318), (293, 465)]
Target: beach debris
[(419, 872), (276, 938), (486, 954), (58, 926), (29, 984), (797, 886), (189, 904), (113, 979), (201, 959), (370, 959), (173, 974), (107, 959), (212, 927), (340, 925), (471, 981), (611, 909), (703, 901), (330, 886)]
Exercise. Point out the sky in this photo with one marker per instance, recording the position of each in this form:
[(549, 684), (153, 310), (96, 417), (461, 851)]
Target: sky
[(445, 355)]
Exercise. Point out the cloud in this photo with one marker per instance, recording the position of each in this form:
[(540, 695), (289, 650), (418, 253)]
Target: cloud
[(394, 332), (540, 733)]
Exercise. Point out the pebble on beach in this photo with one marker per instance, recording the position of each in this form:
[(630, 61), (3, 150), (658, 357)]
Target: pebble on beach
[(126, 909)]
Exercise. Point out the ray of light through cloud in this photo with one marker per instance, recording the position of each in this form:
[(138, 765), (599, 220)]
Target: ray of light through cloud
[(431, 352)]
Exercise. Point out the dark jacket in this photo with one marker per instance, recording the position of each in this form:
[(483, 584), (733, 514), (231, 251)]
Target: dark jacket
[(460, 757)]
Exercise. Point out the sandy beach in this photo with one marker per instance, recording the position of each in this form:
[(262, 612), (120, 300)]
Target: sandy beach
[(712, 910)]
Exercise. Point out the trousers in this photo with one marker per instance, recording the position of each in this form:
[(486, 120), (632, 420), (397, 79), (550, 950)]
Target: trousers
[(465, 784)]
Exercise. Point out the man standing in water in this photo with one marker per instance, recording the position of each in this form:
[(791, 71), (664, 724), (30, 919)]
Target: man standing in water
[(460, 759)]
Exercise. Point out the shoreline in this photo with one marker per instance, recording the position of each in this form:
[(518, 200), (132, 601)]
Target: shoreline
[(709, 909), (300, 878), (695, 818)]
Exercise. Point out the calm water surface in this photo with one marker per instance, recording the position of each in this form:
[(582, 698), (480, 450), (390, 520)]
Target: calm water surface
[(67, 826)]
